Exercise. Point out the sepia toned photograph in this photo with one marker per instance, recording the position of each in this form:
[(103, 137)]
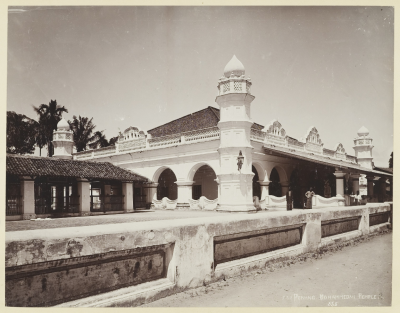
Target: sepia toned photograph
[(199, 156)]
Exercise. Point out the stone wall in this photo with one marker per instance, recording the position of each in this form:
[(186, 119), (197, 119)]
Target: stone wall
[(133, 263)]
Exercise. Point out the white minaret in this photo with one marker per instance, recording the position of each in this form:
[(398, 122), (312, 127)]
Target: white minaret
[(363, 148), (234, 99), (63, 141)]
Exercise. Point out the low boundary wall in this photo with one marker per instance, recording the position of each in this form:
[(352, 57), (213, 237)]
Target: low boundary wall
[(133, 263)]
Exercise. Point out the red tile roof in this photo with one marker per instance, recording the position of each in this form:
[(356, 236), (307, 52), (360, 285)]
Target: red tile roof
[(44, 166), (208, 117)]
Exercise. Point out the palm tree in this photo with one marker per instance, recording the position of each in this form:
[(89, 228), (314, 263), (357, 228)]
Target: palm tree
[(83, 129), (49, 116), (100, 140)]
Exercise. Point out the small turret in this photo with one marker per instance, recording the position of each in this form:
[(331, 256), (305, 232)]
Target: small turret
[(63, 140), (363, 148)]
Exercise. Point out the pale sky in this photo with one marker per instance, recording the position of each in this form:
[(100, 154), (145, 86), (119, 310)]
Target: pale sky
[(328, 67)]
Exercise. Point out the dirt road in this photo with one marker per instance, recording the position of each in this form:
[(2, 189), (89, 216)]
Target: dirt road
[(359, 275)]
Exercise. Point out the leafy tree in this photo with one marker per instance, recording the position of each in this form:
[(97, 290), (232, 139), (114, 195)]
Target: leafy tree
[(100, 140), (391, 160), (112, 141), (82, 129), (21, 133), (49, 116)]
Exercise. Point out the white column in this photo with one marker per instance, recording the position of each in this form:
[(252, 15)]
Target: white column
[(84, 197), (285, 187), (264, 189), (127, 191), (340, 186), (356, 183), (28, 198), (370, 187), (150, 190), (184, 193)]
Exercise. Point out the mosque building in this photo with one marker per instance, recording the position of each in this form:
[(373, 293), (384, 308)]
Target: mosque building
[(219, 159), (212, 159)]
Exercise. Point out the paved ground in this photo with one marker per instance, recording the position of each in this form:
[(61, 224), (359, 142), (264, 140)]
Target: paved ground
[(139, 216), (360, 275)]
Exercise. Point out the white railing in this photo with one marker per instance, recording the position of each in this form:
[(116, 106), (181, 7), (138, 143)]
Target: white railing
[(202, 135), (165, 141), (164, 204), (273, 202), (319, 201), (132, 145), (203, 204)]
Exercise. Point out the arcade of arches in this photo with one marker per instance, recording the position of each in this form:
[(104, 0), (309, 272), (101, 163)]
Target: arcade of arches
[(204, 184), (303, 176)]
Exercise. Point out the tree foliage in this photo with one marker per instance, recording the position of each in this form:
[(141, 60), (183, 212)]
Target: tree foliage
[(83, 132), (391, 160), (49, 116), (21, 133), (99, 140)]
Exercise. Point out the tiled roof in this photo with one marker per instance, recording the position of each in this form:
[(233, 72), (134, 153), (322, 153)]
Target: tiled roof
[(208, 117), (44, 166)]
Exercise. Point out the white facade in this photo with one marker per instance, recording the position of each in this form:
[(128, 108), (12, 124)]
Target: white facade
[(268, 152)]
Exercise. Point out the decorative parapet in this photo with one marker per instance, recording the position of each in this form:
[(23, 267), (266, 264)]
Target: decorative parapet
[(202, 135), (351, 158), (294, 143), (257, 135), (102, 151), (313, 141), (328, 153), (132, 145), (165, 141), (340, 152)]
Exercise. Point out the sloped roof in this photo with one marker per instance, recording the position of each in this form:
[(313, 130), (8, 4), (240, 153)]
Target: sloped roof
[(44, 166), (208, 117)]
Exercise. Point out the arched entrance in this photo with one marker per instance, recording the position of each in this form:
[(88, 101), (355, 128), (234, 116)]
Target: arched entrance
[(275, 188), (256, 184), (205, 184), (166, 185)]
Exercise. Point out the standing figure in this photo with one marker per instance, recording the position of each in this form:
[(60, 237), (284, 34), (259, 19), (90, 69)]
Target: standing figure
[(357, 198), (327, 189), (309, 195), (289, 199)]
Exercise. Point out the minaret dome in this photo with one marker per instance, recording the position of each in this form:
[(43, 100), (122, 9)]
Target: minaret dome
[(234, 66)]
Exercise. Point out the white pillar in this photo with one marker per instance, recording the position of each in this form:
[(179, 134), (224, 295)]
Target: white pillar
[(264, 189), (370, 187), (28, 198), (84, 197), (340, 187), (285, 187), (184, 194), (356, 183), (150, 190), (127, 191)]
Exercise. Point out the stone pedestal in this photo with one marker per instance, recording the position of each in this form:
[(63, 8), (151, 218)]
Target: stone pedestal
[(84, 197), (184, 194), (28, 198), (127, 191)]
